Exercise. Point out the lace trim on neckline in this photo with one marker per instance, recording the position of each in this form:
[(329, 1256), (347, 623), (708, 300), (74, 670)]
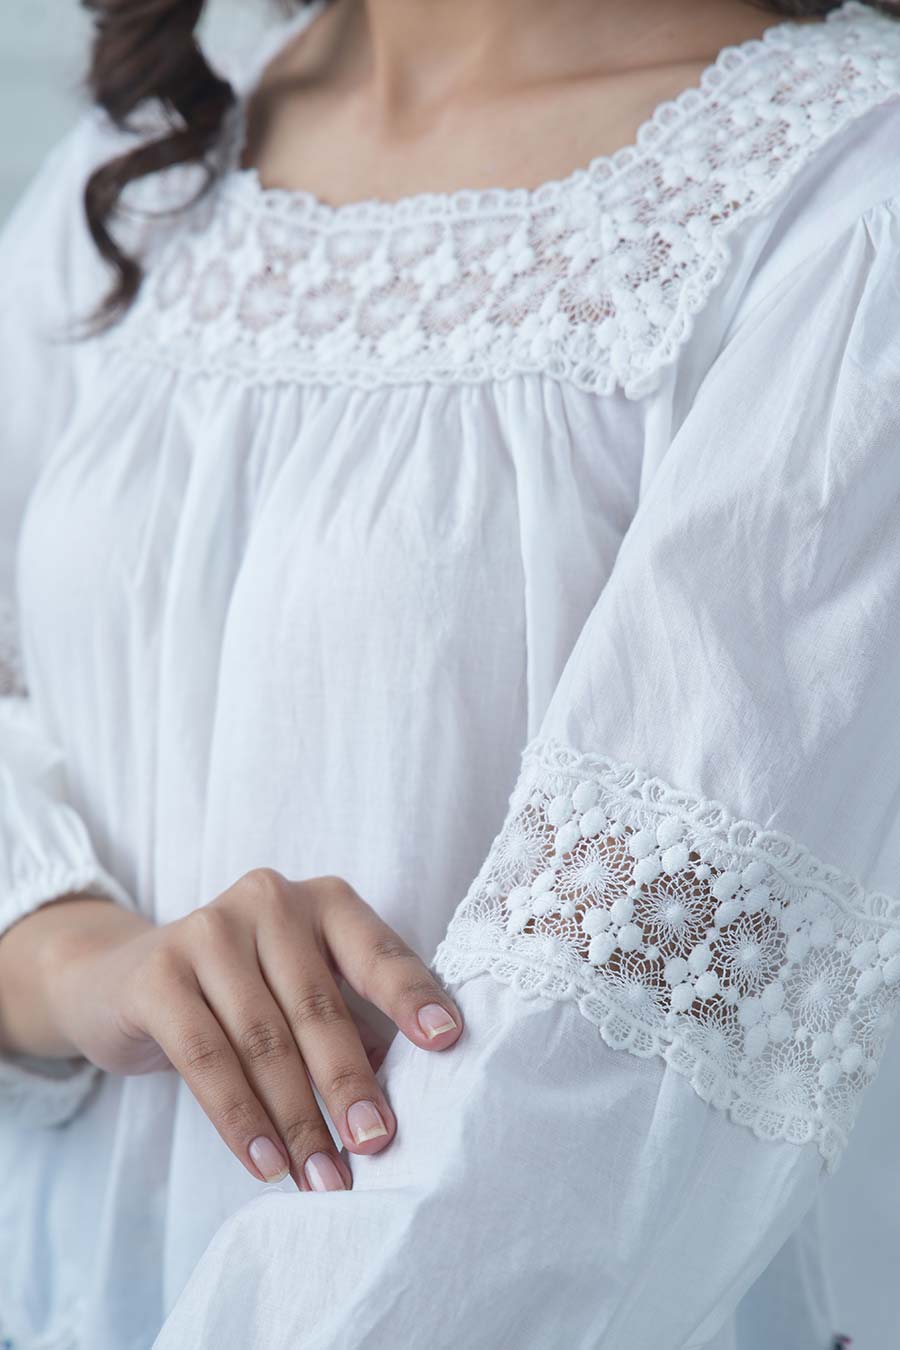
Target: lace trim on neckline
[(595, 281), (602, 170), (765, 976)]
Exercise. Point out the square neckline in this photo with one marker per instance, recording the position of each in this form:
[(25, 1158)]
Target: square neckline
[(664, 118)]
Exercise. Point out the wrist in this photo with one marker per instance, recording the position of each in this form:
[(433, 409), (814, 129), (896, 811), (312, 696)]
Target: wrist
[(41, 957)]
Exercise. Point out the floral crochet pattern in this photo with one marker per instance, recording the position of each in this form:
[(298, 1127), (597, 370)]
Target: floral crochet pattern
[(765, 976), (594, 279)]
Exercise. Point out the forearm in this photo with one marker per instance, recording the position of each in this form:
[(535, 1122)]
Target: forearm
[(34, 955)]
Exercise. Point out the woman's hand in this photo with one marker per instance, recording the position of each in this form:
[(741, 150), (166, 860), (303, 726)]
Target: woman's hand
[(242, 997)]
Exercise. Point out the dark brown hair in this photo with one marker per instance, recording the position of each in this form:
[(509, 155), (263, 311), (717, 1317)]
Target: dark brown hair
[(147, 50)]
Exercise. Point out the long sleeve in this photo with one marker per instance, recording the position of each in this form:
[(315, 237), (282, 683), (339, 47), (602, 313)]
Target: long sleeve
[(45, 850), (680, 960)]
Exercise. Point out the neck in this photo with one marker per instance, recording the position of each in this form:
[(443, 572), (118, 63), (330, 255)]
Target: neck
[(413, 53)]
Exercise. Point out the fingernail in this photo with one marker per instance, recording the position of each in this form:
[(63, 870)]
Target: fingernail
[(322, 1174), (433, 1019), (268, 1158), (365, 1122)]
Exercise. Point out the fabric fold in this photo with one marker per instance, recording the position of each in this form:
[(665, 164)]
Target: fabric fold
[(45, 854)]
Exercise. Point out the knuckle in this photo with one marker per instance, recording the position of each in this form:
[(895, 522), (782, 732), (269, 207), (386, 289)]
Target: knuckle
[(349, 1083), (317, 1007), (306, 1134), (207, 926), (263, 885), (202, 1054), (336, 888), (418, 988), (264, 1042), (391, 948), (238, 1117), (152, 982)]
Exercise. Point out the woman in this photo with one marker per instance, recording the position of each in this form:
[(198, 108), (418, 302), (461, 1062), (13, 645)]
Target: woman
[(411, 448)]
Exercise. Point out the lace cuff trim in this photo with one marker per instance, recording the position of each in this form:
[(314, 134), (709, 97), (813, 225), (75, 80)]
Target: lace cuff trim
[(765, 976), (594, 279)]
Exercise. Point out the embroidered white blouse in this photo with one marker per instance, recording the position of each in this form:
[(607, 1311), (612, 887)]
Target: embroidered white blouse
[(530, 559)]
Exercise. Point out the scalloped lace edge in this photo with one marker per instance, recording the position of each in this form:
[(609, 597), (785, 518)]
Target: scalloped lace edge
[(665, 118), (545, 963), (795, 863), (456, 963)]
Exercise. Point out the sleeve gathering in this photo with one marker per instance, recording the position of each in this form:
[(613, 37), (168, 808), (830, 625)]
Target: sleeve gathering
[(48, 279)]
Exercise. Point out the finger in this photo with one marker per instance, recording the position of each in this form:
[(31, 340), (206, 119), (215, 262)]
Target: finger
[(376, 1057), (375, 1046), (329, 1042), (376, 1031), (236, 990), (198, 1048), (380, 966)]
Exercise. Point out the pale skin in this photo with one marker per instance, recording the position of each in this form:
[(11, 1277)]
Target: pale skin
[(273, 985)]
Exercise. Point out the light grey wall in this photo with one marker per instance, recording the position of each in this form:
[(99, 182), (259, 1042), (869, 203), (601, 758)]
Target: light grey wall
[(43, 46), (41, 59)]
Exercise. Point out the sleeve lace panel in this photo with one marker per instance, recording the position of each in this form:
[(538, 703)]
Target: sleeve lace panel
[(762, 974)]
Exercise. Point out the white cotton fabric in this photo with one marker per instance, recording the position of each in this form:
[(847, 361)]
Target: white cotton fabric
[(498, 1225), (298, 585)]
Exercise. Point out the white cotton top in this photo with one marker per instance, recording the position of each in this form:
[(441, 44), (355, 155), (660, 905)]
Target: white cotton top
[(527, 558)]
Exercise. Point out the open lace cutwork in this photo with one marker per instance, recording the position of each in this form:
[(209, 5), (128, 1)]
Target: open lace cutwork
[(594, 279), (764, 975)]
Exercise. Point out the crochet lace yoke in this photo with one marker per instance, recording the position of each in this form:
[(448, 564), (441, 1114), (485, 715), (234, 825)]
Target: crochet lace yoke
[(594, 279)]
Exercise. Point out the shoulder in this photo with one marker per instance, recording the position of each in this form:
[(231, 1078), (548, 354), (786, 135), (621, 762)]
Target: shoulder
[(46, 252), (785, 146), (260, 54), (51, 202), (843, 203), (46, 246)]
